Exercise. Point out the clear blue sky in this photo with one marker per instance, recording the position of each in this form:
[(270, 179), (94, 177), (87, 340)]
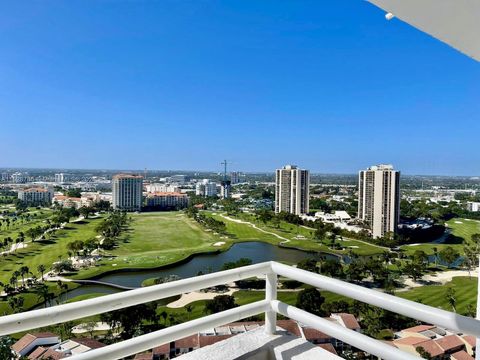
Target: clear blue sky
[(328, 85)]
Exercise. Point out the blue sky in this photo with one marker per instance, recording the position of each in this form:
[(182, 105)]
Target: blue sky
[(330, 86)]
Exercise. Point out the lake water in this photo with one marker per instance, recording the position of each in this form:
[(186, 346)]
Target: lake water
[(256, 251)]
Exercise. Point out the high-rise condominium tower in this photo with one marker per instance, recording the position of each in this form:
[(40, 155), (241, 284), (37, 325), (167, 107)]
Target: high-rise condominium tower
[(127, 192), (379, 199), (292, 190)]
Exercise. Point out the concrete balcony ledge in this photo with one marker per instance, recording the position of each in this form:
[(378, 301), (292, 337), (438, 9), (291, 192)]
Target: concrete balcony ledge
[(257, 345)]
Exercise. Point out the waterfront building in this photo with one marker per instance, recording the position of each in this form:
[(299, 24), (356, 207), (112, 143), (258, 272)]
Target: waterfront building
[(36, 195), (292, 190), (379, 199), (127, 192)]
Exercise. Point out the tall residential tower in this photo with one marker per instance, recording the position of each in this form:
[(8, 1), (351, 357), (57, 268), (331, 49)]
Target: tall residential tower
[(379, 199), (292, 190), (127, 192)]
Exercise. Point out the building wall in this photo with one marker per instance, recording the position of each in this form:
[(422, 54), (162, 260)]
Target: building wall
[(168, 201), (36, 196), (292, 192), (127, 192), (379, 199)]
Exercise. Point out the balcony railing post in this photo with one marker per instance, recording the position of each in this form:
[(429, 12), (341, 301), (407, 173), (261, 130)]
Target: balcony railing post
[(270, 295)]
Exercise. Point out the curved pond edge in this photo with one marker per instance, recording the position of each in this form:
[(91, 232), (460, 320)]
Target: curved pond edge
[(189, 257)]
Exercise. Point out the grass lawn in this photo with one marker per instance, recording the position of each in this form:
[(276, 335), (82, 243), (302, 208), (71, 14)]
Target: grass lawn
[(300, 237), (46, 251), (156, 239), (38, 217), (85, 297), (464, 228), (461, 231), (434, 295), (31, 299)]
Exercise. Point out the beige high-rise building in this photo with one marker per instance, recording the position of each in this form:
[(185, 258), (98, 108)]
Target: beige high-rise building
[(292, 192), (379, 199), (127, 192)]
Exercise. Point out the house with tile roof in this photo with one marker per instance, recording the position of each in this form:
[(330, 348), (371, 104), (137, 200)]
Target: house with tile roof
[(31, 341)]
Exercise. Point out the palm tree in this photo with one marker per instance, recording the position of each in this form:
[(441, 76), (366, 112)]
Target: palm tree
[(43, 294), (16, 274), (16, 303), (24, 270), (451, 298), (41, 269), (164, 316), (31, 233), (189, 309)]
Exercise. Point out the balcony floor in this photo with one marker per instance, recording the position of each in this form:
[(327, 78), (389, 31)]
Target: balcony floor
[(256, 345)]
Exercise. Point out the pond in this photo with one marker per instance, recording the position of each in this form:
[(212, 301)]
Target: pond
[(256, 251)]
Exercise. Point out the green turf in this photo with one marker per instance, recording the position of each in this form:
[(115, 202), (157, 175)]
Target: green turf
[(156, 239), (435, 295), (85, 297), (48, 251), (300, 237), (31, 299), (461, 232)]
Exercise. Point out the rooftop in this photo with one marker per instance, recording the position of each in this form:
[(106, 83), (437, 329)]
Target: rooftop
[(127, 176)]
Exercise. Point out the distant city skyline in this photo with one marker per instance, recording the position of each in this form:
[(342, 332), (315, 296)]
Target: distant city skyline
[(212, 171), (332, 87)]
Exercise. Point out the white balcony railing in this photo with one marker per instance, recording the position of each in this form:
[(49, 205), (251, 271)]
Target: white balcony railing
[(270, 306)]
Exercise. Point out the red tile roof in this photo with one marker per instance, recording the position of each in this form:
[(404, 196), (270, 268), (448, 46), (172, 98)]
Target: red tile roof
[(431, 347), (350, 321), (28, 338), (290, 326), (91, 343), (127, 176), (210, 340), (51, 354), (410, 340), (470, 340), (419, 328), (450, 342), (187, 342), (461, 355), (160, 193), (144, 356), (162, 349), (37, 189), (314, 334), (37, 353), (329, 347)]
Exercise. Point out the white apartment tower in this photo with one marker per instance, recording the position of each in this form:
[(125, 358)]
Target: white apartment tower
[(127, 192), (292, 190), (379, 199)]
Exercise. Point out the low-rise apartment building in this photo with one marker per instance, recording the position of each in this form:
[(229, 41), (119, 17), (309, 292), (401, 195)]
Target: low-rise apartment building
[(167, 200), (36, 195)]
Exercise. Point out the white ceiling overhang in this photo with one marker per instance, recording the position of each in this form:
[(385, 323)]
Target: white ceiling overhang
[(455, 22)]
